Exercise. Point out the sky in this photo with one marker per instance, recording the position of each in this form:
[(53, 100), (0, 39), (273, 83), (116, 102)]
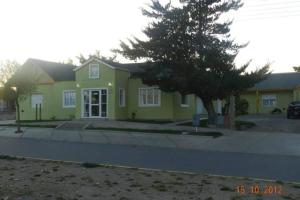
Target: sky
[(56, 30)]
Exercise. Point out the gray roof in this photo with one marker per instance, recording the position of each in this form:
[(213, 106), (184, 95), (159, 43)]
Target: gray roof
[(57, 71), (65, 72), (131, 67), (284, 81)]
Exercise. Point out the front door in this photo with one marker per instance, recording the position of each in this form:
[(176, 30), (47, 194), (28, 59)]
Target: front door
[(94, 103)]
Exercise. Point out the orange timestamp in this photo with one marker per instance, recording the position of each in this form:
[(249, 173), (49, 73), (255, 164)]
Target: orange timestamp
[(259, 189)]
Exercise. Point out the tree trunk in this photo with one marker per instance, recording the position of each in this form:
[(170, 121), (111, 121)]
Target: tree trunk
[(232, 112), (210, 111), (18, 118)]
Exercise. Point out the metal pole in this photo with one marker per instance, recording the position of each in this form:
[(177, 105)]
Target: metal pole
[(36, 112), (40, 112)]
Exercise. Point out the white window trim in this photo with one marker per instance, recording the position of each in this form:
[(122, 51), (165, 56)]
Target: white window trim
[(124, 97), (63, 99), (268, 97), (149, 105), (187, 104), (94, 64), (82, 103)]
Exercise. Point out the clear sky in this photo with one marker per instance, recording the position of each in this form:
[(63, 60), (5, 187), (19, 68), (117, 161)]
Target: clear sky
[(56, 30)]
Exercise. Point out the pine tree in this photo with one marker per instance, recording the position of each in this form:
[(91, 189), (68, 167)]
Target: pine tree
[(296, 68), (189, 50)]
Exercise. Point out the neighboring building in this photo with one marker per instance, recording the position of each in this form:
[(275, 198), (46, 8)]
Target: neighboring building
[(97, 89), (277, 91)]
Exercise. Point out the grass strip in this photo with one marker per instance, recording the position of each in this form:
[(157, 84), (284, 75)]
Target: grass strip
[(147, 121), (177, 132), (239, 124), (35, 121), (31, 125)]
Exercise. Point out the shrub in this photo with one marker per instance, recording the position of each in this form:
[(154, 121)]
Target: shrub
[(241, 106), (276, 111)]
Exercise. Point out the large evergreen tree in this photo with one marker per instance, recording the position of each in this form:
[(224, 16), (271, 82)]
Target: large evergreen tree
[(296, 68), (189, 50), (82, 59)]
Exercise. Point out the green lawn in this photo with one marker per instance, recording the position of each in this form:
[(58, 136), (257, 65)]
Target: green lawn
[(244, 124), (212, 134), (147, 121), (203, 123), (31, 125), (33, 121), (238, 123)]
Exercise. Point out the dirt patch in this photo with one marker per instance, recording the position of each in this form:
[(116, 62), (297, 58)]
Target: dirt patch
[(35, 179)]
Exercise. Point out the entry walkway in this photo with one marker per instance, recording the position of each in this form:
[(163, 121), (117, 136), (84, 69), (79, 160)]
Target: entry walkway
[(244, 142)]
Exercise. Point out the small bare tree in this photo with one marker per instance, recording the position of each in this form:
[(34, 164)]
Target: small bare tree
[(17, 89), (7, 69)]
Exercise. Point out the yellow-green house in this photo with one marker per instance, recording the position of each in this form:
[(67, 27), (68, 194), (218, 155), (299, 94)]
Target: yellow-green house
[(277, 91), (101, 90)]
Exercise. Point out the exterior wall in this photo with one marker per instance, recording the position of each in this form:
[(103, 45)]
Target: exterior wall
[(283, 99), (107, 80), (122, 78), (52, 106), (251, 98), (162, 112), (181, 112), (296, 94)]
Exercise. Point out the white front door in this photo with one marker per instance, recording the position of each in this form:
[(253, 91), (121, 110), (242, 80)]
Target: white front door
[(94, 103)]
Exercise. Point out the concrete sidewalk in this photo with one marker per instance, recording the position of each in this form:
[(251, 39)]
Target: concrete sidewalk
[(244, 142)]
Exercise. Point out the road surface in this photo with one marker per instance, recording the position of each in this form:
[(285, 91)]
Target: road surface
[(273, 167)]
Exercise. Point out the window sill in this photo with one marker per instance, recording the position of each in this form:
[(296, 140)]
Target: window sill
[(69, 106), (184, 105), (145, 106)]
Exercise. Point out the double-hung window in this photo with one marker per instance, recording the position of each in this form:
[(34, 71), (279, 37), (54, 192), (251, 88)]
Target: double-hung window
[(149, 96), (94, 71), (69, 99), (122, 97), (269, 100)]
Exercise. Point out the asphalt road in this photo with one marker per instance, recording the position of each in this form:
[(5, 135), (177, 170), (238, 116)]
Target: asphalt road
[(212, 162)]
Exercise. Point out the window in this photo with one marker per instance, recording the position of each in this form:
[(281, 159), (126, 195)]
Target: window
[(122, 97), (69, 99), (149, 97), (36, 100), (184, 101), (269, 100), (93, 71)]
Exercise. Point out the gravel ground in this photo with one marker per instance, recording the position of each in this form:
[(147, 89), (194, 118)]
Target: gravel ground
[(27, 179), (273, 123)]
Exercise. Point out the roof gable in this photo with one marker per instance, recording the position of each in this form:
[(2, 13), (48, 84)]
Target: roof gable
[(130, 67), (57, 71), (92, 60)]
